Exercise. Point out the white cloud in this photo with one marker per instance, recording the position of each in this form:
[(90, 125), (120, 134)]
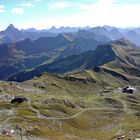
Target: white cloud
[(2, 9), (111, 13), (27, 4), (18, 11), (59, 5)]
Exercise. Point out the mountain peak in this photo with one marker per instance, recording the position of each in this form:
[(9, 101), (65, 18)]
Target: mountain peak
[(123, 42), (108, 28), (53, 28), (11, 28)]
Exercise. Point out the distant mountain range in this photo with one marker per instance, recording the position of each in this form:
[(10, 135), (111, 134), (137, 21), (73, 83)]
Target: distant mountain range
[(65, 50), (57, 30), (12, 34)]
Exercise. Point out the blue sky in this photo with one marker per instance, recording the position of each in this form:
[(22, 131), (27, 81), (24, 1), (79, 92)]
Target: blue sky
[(42, 14)]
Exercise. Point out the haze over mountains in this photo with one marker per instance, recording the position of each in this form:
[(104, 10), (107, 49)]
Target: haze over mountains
[(12, 34)]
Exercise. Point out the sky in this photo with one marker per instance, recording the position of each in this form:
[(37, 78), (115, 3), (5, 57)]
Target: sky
[(42, 14)]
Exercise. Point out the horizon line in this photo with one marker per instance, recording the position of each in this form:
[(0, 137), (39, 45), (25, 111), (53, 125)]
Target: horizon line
[(66, 26)]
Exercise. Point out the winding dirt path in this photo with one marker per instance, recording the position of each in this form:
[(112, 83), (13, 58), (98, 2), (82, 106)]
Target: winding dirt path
[(39, 115), (70, 117)]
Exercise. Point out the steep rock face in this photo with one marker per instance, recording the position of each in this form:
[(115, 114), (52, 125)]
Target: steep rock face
[(102, 55)]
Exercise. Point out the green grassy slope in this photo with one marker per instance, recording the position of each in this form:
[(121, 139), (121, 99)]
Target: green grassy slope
[(79, 106)]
